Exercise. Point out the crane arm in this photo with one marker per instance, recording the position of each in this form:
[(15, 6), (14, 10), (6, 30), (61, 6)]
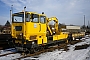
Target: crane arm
[(56, 24)]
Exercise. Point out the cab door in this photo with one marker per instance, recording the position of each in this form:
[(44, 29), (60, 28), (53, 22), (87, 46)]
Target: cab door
[(42, 24), (33, 26)]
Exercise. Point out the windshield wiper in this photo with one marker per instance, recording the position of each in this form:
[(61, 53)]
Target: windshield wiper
[(15, 19)]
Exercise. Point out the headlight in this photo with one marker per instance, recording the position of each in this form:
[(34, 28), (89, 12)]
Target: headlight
[(33, 42), (20, 33)]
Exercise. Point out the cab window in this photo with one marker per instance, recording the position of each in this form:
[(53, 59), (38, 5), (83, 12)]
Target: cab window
[(35, 18), (27, 17), (20, 17), (42, 19)]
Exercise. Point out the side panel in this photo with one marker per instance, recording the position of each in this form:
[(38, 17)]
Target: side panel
[(32, 29), (61, 36)]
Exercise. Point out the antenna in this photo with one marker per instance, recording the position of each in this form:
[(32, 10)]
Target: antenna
[(24, 13), (24, 21), (12, 8)]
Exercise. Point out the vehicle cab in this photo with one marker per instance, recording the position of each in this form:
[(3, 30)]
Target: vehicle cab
[(29, 26)]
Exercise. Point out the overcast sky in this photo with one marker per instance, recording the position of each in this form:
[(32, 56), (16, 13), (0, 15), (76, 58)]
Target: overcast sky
[(67, 11)]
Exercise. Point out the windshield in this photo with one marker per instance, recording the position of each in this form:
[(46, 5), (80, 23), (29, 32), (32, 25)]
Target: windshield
[(20, 18)]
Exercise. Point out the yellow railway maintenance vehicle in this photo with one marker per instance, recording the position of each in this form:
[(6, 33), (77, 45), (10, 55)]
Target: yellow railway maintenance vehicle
[(30, 30)]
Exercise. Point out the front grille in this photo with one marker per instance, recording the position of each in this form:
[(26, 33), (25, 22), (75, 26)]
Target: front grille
[(18, 28)]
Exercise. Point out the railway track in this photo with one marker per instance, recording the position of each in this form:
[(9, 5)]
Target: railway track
[(61, 46)]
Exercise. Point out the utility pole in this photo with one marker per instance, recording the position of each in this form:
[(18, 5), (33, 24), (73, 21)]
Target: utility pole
[(10, 16), (88, 22), (84, 21)]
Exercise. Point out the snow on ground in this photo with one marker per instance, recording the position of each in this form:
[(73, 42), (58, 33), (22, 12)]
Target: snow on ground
[(4, 52), (10, 57), (71, 54), (7, 51)]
